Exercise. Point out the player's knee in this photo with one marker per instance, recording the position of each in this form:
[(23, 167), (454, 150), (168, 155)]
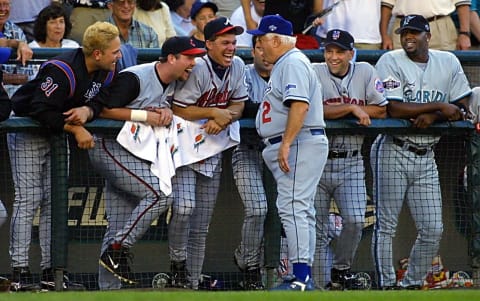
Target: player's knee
[(183, 208), (432, 233), (256, 211)]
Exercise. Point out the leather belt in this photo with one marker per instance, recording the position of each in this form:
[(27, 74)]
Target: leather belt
[(342, 154), (417, 151), (431, 19), (278, 139)]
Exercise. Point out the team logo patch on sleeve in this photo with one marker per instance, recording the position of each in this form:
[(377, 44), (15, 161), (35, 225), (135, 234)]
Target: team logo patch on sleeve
[(391, 84), (290, 86), (379, 86)]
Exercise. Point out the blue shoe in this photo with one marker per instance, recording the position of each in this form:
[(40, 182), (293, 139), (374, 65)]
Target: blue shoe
[(292, 284)]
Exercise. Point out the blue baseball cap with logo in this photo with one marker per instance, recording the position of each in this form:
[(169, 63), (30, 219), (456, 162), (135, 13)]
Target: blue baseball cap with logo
[(220, 26), (273, 24), (341, 38), (199, 4), (414, 22)]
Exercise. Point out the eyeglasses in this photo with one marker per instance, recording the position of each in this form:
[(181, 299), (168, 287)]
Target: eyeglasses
[(123, 2)]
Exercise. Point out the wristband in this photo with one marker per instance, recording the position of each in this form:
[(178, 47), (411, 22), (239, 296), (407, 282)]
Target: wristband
[(467, 33), (138, 115)]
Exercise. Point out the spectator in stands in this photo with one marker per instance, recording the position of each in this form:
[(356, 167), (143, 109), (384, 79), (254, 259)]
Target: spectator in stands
[(84, 14), (180, 14), (51, 28), (350, 16), (297, 12), (24, 12), (474, 22), (12, 36), (226, 7), (58, 98), (131, 31), (257, 7), (437, 12), (156, 14), (202, 12)]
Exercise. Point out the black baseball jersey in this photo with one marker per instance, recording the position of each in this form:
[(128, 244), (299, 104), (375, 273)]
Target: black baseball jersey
[(52, 93)]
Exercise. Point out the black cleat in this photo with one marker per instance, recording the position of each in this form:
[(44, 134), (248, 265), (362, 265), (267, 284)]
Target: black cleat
[(252, 280), (344, 280), (47, 282), (179, 274), (22, 281), (116, 260)]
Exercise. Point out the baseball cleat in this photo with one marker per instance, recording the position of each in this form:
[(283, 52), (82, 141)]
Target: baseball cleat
[(344, 280), (22, 281), (179, 274), (292, 284), (47, 282), (252, 280), (116, 260)]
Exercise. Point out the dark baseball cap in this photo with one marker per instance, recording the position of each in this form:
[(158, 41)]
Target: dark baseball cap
[(220, 26), (181, 45), (273, 24), (341, 38), (199, 4), (415, 22)]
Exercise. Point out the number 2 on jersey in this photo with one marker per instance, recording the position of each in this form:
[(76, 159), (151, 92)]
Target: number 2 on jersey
[(266, 107)]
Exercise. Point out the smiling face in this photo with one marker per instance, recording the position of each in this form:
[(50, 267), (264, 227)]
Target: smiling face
[(204, 15), (122, 10), (222, 49), (415, 44), (107, 59), (4, 12), (337, 59), (183, 66)]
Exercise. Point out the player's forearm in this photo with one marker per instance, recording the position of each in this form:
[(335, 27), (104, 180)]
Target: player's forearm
[(296, 116), (405, 110), (237, 108), (336, 111), (375, 111), (193, 112)]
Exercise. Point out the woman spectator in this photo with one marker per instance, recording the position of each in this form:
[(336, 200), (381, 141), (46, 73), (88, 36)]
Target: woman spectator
[(156, 14)]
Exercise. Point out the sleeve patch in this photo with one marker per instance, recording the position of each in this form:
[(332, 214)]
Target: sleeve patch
[(391, 83)]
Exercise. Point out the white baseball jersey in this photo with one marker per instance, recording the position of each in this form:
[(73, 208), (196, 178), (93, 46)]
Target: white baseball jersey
[(361, 86), (151, 92), (204, 88), (407, 81), (291, 80)]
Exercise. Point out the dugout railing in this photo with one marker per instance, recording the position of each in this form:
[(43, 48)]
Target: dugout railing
[(77, 230)]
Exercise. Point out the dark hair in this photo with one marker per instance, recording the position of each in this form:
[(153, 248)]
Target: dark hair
[(174, 4), (50, 12), (149, 5), (254, 41)]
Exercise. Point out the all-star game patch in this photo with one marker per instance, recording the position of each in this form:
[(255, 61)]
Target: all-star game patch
[(391, 83)]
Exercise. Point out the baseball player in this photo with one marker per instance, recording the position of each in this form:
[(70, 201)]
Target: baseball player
[(349, 89), (57, 98), (423, 86), (290, 120), (215, 93), (247, 168), (134, 198)]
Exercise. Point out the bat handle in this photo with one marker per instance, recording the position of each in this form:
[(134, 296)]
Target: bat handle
[(307, 29)]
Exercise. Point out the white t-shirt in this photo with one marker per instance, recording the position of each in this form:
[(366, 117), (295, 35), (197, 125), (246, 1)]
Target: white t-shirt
[(238, 18)]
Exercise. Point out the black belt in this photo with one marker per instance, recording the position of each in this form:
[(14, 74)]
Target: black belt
[(342, 155), (411, 148), (431, 19), (278, 139)]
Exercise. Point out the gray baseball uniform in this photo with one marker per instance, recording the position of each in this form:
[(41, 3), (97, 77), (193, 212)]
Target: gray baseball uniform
[(404, 166), (343, 178), (247, 166), (132, 193), (195, 194), (293, 79)]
